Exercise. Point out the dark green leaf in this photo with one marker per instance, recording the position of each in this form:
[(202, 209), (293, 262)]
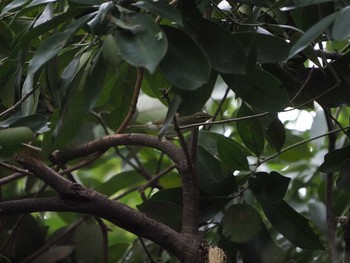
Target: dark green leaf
[(343, 181), (145, 46), (268, 188), (165, 212), (292, 225), (231, 154), (15, 135), (99, 24), (291, 4), (174, 105), (194, 101), (224, 50), (311, 34), (276, 134), (34, 122), (162, 9), (54, 44), (241, 223), (13, 5), (334, 159), (341, 29), (56, 253), (88, 243), (260, 89), (250, 131), (269, 49), (124, 180), (214, 179), (185, 64)]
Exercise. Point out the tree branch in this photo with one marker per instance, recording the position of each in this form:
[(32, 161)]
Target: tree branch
[(115, 212)]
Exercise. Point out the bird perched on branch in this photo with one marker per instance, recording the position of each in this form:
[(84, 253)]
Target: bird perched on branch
[(182, 121)]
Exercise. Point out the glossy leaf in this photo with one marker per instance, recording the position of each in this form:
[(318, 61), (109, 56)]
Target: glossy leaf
[(214, 179), (241, 223), (311, 34), (276, 134), (231, 154), (343, 181), (185, 64), (334, 159), (268, 188), (34, 122), (341, 28), (174, 105), (269, 49), (17, 135), (145, 46), (292, 225), (250, 131), (54, 44), (194, 101), (225, 51), (13, 5), (259, 89), (162, 9)]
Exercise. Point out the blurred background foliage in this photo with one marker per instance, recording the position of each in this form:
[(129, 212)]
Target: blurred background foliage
[(275, 73)]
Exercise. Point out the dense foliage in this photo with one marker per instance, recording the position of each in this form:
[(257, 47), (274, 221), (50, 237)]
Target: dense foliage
[(79, 77)]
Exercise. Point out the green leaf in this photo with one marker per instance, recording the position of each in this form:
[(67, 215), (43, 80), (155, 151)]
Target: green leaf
[(260, 89), (99, 24), (40, 2), (34, 122), (291, 4), (268, 188), (122, 89), (13, 5), (214, 179), (123, 180), (241, 223), (194, 101), (174, 105), (341, 29), (231, 154), (224, 50), (343, 181), (250, 131), (165, 212), (334, 159), (88, 243), (144, 47), (311, 34), (292, 225), (185, 64), (15, 135), (276, 134), (162, 9), (54, 44), (56, 253), (269, 49)]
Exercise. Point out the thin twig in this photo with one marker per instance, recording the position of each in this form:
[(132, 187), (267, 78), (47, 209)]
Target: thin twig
[(301, 143), (15, 169), (133, 104), (11, 177), (17, 104)]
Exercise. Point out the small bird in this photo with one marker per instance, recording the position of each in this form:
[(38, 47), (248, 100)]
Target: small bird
[(196, 118)]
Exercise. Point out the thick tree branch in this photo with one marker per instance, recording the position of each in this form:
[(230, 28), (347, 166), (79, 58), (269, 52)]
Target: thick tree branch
[(115, 212), (109, 141)]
